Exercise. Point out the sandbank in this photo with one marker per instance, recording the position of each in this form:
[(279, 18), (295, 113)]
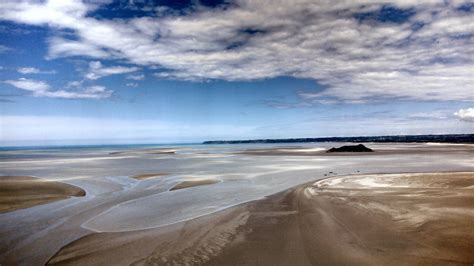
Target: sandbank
[(19, 192), (194, 183), (148, 176)]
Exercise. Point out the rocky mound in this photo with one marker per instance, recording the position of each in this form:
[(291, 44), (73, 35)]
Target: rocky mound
[(351, 148)]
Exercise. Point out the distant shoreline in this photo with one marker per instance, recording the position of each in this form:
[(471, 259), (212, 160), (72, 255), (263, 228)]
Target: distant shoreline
[(447, 138), (443, 138)]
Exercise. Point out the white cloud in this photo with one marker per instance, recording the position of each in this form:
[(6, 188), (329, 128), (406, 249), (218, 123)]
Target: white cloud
[(35, 86), (97, 71), (136, 77), (132, 84), (60, 47), (357, 61), (34, 70), (4, 49), (437, 114), (42, 89), (91, 92), (74, 84), (28, 70), (465, 114)]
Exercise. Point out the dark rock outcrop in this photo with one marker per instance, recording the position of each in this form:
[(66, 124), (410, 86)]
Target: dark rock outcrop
[(351, 148)]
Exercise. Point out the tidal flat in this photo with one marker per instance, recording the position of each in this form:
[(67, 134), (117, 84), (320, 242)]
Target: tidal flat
[(130, 212)]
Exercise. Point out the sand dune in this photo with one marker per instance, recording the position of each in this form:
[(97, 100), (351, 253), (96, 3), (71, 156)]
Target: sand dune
[(18, 192)]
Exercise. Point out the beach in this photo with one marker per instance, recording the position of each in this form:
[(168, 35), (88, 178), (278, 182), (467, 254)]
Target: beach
[(314, 224), (430, 224), (223, 205)]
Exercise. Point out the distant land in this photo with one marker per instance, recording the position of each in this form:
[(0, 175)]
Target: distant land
[(450, 138)]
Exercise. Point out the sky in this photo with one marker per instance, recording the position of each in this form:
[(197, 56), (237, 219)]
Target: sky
[(164, 71)]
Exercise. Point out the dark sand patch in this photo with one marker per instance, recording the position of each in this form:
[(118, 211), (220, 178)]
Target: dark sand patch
[(19, 192), (194, 183), (326, 223), (149, 176), (144, 151)]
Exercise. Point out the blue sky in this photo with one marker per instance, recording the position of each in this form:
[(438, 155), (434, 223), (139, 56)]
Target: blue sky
[(75, 72)]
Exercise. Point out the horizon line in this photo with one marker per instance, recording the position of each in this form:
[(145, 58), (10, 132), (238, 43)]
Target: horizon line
[(293, 139)]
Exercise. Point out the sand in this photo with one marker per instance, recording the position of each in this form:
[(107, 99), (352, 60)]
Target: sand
[(19, 192), (396, 219), (292, 150), (186, 243), (148, 176), (378, 148), (144, 151), (194, 183), (123, 220), (401, 220)]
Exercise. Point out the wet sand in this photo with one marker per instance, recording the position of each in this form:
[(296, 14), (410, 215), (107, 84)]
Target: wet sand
[(123, 220), (379, 150), (144, 151), (148, 176), (194, 183), (394, 219), (286, 151), (19, 192), (366, 220)]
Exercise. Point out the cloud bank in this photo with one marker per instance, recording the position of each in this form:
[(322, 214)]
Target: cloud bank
[(97, 71), (358, 50), (39, 88), (465, 114), (33, 70)]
